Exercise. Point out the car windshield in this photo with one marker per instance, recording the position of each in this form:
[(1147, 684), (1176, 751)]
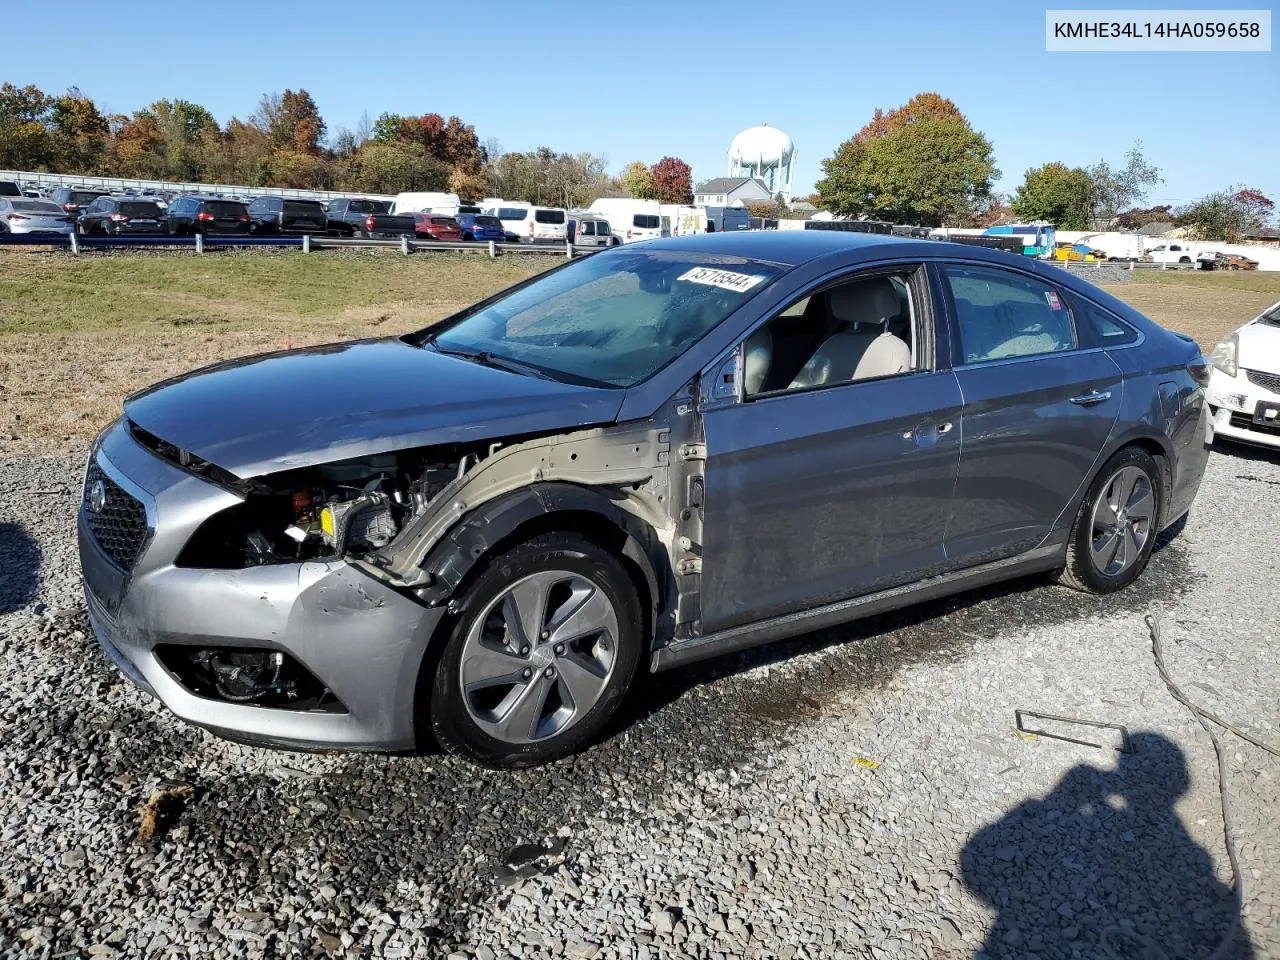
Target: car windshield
[(1272, 316), (613, 320)]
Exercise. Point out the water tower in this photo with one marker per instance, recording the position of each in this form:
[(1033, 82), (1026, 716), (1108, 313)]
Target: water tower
[(766, 153)]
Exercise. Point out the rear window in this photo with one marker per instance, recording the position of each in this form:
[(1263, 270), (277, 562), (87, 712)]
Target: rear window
[(379, 206), (444, 221), (85, 196), (549, 216), (488, 221), (9, 189), (138, 208), (224, 208), (513, 213), (36, 206), (303, 208), (645, 221)]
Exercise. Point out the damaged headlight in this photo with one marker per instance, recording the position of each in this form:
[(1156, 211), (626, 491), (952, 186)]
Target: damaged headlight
[(1225, 356)]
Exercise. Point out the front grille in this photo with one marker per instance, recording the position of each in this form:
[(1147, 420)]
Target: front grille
[(1267, 381), (1243, 421), (120, 526)]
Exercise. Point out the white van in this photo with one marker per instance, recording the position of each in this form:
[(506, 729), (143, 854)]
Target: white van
[(631, 219), (446, 203), (529, 224)]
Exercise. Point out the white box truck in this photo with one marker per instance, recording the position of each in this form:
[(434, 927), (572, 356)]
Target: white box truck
[(631, 219)]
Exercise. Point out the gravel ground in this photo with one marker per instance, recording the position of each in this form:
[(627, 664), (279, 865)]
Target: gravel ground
[(858, 792)]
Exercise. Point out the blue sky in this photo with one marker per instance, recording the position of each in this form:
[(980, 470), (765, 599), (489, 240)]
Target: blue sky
[(816, 70)]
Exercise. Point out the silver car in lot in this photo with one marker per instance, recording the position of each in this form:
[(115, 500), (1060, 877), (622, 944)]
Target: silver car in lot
[(24, 216), (479, 533)]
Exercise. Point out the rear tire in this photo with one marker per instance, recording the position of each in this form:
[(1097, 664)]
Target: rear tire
[(548, 637), (1115, 529)]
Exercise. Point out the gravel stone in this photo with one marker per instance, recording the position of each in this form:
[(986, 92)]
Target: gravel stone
[(728, 817)]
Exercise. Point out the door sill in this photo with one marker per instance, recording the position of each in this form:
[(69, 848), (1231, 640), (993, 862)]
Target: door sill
[(1040, 560)]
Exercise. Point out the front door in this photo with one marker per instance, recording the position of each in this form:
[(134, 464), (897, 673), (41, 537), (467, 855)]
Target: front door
[(820, 492)]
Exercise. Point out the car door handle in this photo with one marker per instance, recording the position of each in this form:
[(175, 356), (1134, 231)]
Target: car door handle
[(1092, 397)]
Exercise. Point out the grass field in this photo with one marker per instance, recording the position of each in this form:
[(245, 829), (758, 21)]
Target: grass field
[(79, 333)]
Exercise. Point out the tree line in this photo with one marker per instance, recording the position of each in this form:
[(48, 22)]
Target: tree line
[(924, 163), (285, 142)]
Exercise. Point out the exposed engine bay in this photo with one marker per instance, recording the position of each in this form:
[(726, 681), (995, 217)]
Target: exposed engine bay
[(339, 509)]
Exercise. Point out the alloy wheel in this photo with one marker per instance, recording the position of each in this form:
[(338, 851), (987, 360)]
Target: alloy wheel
[(538, 657), (1122, 521)]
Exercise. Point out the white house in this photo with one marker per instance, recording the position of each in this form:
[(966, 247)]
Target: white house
[(723, 191)]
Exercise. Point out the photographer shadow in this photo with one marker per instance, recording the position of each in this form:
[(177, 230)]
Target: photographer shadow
[(1103, 867)]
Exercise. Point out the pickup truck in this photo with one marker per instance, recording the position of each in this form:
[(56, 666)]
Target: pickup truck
[(1182, 254), (368, 218)]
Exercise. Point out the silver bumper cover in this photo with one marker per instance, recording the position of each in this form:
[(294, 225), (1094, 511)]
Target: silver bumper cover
[(360, 638)]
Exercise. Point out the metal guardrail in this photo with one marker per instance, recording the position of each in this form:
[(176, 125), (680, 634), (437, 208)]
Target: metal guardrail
[(306, 243), (24, 177)]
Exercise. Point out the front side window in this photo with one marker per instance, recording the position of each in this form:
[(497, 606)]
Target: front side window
[(611, 320), (863, 328), (1001, 314)]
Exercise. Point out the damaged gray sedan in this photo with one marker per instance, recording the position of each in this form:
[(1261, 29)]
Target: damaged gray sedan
[(481, 533)]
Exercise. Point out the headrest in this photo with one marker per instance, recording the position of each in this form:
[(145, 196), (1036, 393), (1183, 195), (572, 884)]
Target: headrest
[(868, 301)]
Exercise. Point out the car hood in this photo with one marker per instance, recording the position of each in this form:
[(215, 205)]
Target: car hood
[(1259, 346), (298, 408)]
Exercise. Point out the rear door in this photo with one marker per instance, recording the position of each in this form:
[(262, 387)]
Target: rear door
[(815, 494), (1039, 406)]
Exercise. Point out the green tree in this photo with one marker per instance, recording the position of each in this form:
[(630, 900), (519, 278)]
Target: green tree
[(637, 180), (24, 135), (1055, 193), (182, 127), (380, 167), (1115, 189), (922, 163)]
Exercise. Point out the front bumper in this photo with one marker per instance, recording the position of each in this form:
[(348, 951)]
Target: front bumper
[(358, 637), (1234, 401)]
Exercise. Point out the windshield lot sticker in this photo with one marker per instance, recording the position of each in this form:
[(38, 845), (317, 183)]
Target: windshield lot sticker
[(1054, 302), (725, 279)]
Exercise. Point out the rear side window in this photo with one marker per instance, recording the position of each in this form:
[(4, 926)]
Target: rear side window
[(224, 208), (549, 216), (1098, 327), (1002, 314), (645, 221), (513, 213), (303, 208), (587, 229)]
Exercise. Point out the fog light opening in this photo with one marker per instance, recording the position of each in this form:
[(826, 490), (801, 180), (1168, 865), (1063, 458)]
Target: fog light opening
[(249, 676)]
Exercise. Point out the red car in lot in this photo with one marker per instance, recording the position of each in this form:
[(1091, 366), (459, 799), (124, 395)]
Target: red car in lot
[(436, 226)]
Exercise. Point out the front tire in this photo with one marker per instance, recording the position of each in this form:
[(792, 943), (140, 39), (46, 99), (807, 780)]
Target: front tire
[(540, 655), (1115, 529)]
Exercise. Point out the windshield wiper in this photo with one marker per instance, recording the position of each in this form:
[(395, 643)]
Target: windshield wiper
[(485, 358)]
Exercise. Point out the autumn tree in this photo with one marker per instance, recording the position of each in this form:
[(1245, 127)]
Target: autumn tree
[(78, 133), (1057, 194), (1226, 214), (637, 180), (672, 181), (381, 167), (921, 163)]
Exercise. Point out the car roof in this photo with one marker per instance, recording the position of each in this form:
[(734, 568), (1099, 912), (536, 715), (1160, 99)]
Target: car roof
[(794, 247)]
